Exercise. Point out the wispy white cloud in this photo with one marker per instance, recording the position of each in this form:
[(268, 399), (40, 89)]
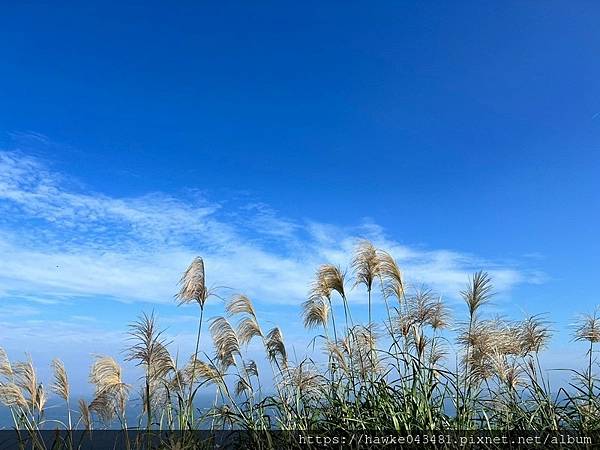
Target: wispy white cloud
[(58, 241)]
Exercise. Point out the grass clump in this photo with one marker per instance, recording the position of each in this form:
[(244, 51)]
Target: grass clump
[(414, 370)]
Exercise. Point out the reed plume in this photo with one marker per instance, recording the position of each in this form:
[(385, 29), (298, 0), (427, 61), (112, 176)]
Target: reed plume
[(364, 356), (225, 341), (391, 275), (422, 306), (193, 289), (437, 353), (200, 370), (403, 325), (507, 372), (149, 350), (61, 385), (439, 317), (242, 386), (5, 366), (247, 329), (61, 382), (193, 284), (104, 406), (330, 278), (111, 392), (318, 307), (534, 334), (478, 292), (587, 328), (26, 378), (240, 304), (85, 414), (306, 381), (366, 267), (11, 395), (276, 348), (315, 312), (366, 264), (336, 352), (251, 368)]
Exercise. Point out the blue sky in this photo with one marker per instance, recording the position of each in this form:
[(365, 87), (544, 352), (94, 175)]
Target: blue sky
[(269, 137)]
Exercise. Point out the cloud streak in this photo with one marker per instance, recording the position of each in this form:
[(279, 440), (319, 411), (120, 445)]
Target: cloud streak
[(57, 241)]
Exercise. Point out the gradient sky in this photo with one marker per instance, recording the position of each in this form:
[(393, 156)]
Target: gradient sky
[(269, 137)]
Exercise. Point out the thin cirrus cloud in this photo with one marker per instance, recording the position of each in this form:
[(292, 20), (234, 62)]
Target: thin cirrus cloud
[(59, 241)]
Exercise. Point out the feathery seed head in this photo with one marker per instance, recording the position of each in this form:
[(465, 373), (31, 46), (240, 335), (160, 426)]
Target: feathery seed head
[(327, 279), (5, 366), (393, 284), (366, 264), (149, 349), (251, 368), (11, 395), (26, 378), (275, 347), (587, 327), (111, 392), (439, 316), (534, 334), (248, 329), (61, 382), (201, 371), (315, 312), (242, 386), (240, 304), (225, 341), (193, 284), (478, 292), (86, 416)]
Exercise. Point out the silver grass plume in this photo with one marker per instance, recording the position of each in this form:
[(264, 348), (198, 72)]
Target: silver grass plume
[(193, 284), (587, 327), (225, 341), (329, 278), (305, 380), (148, 348), (26, 378), (11, 396), (534, 334), (478, 292), (61, 382), (366, 264), (251, 368), (86, 416), (391, 275), (315, 311), (5, 366), (111, 392), (240, 304), (242, 386), (276, 348), (439, 317), (202, 371), (337, 352), (248, 329)]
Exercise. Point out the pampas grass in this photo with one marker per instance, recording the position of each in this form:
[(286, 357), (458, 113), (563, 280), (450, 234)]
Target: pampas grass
[(418, 368)]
